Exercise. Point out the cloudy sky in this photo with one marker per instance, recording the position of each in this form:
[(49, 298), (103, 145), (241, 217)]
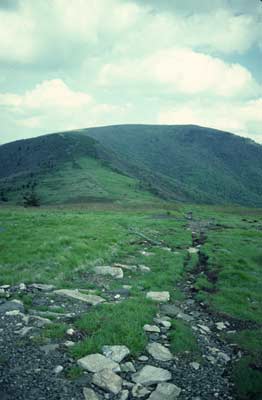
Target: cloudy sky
[(73, 64)]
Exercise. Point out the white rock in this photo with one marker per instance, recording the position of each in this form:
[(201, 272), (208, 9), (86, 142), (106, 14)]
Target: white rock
[(12, 313), (89, 394), (108, 380), (115, 272), (165, 391), (163, 322), (150, 375), (124, 395), (97, 362), (192, 250), (70, 331), (69, 343), (132, 268), (151, 328), (161, 297), (128, 367), (220, 326), (22, 286), (142, 358), (195, 365), (204, 328), (159, 352), (43, 287), (75, 294), (58, 369), (144, 268), (139, 390), (115, 353)]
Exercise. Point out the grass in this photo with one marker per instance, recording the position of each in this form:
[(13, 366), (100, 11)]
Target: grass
[(182, 338), (74, 372), (55, 331), (118, 324)]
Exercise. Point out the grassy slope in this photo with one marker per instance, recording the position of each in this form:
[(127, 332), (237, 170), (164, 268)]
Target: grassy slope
[(201, 164)]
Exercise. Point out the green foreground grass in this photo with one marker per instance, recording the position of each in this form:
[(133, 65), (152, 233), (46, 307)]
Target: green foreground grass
[(62, 246)]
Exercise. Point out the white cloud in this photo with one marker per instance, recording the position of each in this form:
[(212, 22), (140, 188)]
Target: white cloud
[(48, 94), (242, 118), (182, 71)]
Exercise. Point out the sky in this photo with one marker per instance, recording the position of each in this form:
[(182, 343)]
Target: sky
[(76, 64)]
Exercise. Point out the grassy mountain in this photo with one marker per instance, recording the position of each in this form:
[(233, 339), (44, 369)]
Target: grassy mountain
[(185, 163), (65, 168), (199, 164)]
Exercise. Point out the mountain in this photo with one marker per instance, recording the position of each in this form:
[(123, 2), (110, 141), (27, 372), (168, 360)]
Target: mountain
[(178, 162)]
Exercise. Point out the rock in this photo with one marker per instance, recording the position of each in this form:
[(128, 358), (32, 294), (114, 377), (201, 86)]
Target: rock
[(127, 287), (192, 250), (22, 286), (106, 379), (12, 313), (150, 375), (75, 294), (58, 369), (49, 348), (144, 269), (70, 332), (160, 297), (24, 331), (146, 253), (128, 367), (89, 394), (115, 272), (115, 353), (224, 357), (204, 328), (159, 352), (220, 326), (69, 343), (165, 391), (151, 328), (143, 358), (11, 306), (139, 390), (170, 309), (165, 324), (132, 268), (124, 395), (185, 317), (97, 362), (39, 322), (195, 365), (43, 287)]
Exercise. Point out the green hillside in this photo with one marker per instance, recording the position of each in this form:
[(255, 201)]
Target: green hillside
[(134, 162)]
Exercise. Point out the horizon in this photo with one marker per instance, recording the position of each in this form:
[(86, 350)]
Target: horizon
[(69, 66)]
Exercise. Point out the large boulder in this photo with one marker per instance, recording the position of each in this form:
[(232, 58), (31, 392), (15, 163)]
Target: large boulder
[(108, 380)]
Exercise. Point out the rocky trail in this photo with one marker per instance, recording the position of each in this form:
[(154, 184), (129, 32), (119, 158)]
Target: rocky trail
[(31, 370)]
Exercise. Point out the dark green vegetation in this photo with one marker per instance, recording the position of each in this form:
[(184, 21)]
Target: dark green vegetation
[(133, 163)]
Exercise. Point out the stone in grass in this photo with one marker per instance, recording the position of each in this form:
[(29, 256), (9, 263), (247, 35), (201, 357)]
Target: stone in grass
[(192, 250), (160, 297), (164, 323), (165, 391), (132, 268), (144, 268), (11, 306), (159, 352), (139, 390), (115, 272), (43, 287), (89, 394), (97, 362), (115, 353), (75, 294), (108, 380), (150, 375), (151, 328)]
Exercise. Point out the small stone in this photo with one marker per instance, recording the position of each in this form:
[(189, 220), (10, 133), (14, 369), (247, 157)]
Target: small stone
[(139, 390), (43, 287), (165, 324), (115, 272), (89, 394), (161, 297), (115, 353), (195, 365), (123, 395), (223, 357), (220, 326), (143, 358), (69, 343), (108, 380), (159, 352), (128, 367), (22, 286), (58, 369), (24, 331), (165, 391), (132, 268), (151, 328), (75, 294), (185, 317), (170, 309), (70, 332), (97, 362), (150, 375), (144, 269), (192, 250), (204, 328)]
